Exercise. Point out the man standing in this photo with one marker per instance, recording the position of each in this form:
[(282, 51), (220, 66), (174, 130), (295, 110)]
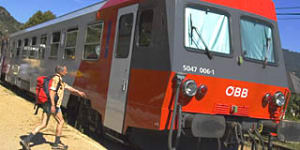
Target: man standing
[(56, 93)]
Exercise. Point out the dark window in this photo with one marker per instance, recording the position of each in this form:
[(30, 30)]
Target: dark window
[(44, 39), (26, 42), (33, 42), (43, 46), (71, 44), (19, 47), (124, 35), (56, 37), (145, 28), (12, 49), (93, 41), (33, 53), (55, 44), (25, 48)]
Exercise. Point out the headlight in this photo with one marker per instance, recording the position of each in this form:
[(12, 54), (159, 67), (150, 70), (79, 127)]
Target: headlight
[(189, 88), (279, 99)]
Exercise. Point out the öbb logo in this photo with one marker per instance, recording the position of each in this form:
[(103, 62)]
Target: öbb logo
[(237, 92)]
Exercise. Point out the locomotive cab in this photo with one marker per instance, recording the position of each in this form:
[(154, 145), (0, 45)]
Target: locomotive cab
[(228, 63)]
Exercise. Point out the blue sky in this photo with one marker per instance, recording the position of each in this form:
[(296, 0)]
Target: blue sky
[(22, 10), (289, 26)]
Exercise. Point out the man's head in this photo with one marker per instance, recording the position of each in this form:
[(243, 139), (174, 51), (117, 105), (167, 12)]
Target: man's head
[(61, 69)]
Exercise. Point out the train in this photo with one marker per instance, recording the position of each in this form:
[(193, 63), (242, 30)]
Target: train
[(188, 72)]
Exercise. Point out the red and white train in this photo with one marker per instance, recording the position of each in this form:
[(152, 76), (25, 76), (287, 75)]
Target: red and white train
[(203, 69)]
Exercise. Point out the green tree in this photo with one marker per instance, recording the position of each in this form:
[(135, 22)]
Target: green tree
[(37, 18), (293, 109)]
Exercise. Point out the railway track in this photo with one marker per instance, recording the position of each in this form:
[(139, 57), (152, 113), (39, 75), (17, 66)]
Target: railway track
[(275, 145)]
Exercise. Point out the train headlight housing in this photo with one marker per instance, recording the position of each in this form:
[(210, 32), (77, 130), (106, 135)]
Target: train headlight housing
[(279, 99), (189, 88), (202, 90), (268, 98)]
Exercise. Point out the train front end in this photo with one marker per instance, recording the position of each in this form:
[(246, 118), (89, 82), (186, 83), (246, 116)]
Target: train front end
[(229, 76)]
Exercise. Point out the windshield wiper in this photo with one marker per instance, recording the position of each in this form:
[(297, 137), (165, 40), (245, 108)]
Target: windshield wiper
[(192, 28), (266, 53)]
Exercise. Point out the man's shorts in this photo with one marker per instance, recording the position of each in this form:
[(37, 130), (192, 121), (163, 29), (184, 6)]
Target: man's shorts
[(47, 108)]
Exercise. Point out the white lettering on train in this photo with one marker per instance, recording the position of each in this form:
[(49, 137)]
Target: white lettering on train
[(237, 92), (194, 69)]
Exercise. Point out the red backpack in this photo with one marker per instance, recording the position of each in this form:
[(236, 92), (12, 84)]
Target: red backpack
[(43, 84)]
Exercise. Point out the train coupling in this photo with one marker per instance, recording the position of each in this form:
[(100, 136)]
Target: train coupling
[(286, 130), (204, 126)]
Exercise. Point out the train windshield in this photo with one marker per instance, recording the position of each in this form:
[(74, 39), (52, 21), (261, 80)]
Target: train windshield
[(206, 31), (257, 41)]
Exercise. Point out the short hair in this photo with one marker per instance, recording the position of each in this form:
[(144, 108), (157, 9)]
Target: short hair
[(59, 68)]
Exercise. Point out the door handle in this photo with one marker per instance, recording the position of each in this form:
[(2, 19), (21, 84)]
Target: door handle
[(124, 86)]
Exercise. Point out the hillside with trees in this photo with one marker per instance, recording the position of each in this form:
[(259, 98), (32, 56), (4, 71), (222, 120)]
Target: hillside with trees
[(8, 24), (292, 61)]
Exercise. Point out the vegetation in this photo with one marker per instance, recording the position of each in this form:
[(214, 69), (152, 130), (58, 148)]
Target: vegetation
[(292, 61), (292, 64), (293, 109), (37, 18), (7, 23)]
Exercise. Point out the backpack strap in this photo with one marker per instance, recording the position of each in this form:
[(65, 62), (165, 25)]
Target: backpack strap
[(59, 83)]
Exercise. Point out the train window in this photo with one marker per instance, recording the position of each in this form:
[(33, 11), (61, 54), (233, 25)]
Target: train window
[(19, 47), (145, 28), (12, 49), (92, 41), (26, 48), (55, 44), (71, 44), (257, 41), (206, 31), (33, 41), (124, 35), (42, 47), (33, 53)]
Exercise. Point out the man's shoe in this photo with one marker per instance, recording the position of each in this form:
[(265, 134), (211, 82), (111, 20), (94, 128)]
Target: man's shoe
[(59, 146), (25, 144)]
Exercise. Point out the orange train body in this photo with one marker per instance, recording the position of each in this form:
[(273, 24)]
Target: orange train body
[(237, 87)]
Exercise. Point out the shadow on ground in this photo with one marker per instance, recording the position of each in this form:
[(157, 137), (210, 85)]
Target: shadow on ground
[(39, 139)]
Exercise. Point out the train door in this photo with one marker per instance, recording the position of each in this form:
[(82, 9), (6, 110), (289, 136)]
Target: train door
[(119, 75)]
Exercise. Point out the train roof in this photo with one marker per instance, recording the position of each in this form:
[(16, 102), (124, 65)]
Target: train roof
[(264, 8), (112, 3), (86, 10)]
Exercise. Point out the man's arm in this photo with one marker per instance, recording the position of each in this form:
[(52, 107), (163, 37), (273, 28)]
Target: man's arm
[(75, 91), (52, 95)]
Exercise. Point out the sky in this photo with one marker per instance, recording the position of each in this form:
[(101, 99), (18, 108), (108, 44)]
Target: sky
[(289, 26), (22, 10)]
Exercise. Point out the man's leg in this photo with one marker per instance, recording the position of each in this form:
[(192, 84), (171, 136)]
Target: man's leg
[(45, 120), (42, 125), (60, 122)]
